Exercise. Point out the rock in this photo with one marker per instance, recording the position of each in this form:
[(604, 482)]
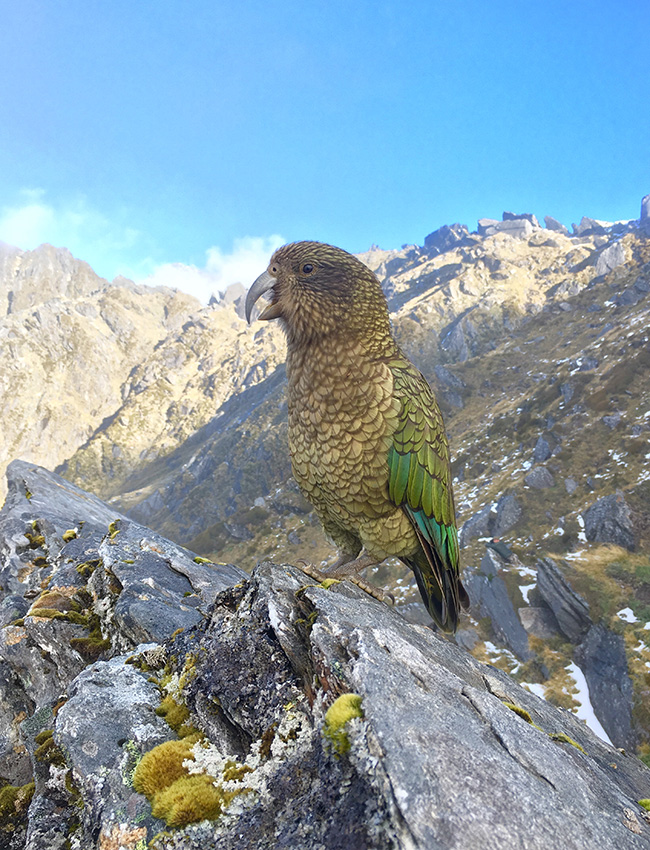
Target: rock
[(629, 297), (553, 224), (486, 226), (445, 238), (610, 258), (567, 392), (489, 597), (609, 520), (590, 227), (519, 228), (508, 514), (571, 485), (601, 656), (539, 622), (88, 583), (478, 525), (540, 478), (510, 216), (569, 609), (542, 450), (644, 220), (612, 421)]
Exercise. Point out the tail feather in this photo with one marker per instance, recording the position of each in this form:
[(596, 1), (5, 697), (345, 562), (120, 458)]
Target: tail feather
[(439, 584)]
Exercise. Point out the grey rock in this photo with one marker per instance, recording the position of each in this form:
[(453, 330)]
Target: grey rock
[(542, 450), (588, 364), (569, 609), (486, 226), (644, 220), (12, 607), (478, 525), (539, 622), (510, 216), (589, 227), (519, 228), (642, 285), (609, 520), (446, 377), (508, 514), (571, 485), (540, 478), (489, 597), (445, 238), (601, 656), (553, 224), (613, 420), (567, 390), (629, 297), (610, 258)]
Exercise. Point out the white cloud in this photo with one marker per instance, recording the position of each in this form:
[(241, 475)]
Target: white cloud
[(249, 257), (87, 233)]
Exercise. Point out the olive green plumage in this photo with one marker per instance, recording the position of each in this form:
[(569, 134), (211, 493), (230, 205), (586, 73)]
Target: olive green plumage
[(366, 436)]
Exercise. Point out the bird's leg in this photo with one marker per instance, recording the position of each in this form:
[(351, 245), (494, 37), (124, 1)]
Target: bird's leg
[(347, 568)]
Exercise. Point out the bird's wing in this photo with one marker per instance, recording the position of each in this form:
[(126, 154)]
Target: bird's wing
[(420, 483)]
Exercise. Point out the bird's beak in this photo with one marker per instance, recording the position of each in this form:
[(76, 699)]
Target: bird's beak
[(264, 283)]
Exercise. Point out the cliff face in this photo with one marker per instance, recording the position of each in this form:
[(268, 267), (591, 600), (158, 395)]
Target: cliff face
[(144, 692)]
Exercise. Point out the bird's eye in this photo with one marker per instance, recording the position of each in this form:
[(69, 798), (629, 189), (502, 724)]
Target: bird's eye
[(274, 270), (307, 268)]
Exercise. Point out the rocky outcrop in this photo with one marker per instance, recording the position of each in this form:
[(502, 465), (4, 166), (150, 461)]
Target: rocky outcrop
[(287, 714), (609, 520), (569, 609), (601, 656), (489, 598)]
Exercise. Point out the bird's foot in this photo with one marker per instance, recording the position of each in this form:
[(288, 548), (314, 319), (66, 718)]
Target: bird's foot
[(331, 575)]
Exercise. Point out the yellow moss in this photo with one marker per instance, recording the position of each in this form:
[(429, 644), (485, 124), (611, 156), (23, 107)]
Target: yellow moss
[(200, 560), (328, 582), (235, 772), (342, 710), (15, 800), (69, 535), (645, 803), (561, 738), (189, 799), (520, 711), (162, 766), (114, 529)]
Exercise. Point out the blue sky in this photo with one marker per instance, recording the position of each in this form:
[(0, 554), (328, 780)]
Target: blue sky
[(187, 138)]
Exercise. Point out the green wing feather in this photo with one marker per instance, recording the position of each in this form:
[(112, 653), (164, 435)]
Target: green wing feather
[(420, 483)]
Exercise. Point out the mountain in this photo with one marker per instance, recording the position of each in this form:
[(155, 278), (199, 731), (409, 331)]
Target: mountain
[(535, 340)]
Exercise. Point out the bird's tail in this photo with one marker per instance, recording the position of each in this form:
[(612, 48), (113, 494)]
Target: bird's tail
[(440, 587)]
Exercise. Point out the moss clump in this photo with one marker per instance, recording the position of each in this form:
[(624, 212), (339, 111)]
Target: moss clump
[(328, 582), (192, 798), (561, 738), (86, 569), (90, 648), (162, 766), (176, 796), (114, 529), (199, 560), (70, 534), (645, 804), (521, 712), (47, 751), (14, 802), (338, 715), (176, 716)]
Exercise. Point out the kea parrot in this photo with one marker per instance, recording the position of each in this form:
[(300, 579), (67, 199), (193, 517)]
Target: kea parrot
[(366, 437)]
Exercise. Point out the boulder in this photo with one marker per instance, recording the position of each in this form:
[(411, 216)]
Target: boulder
[(539, 478), (539, 622), (445, 238), (644, 220), (510, 216), (609, 520), (590, 227), (601, 657), (553, 224), (610, 258), (570, 610), (542, 450)]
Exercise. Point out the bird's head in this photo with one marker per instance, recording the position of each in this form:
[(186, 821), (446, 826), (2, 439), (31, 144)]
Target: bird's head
[(317, 290)]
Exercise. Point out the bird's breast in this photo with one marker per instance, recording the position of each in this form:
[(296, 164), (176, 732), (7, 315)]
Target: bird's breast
[(342, 415)]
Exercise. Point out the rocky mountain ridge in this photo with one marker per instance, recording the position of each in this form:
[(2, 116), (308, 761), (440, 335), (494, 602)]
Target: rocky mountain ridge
[(536, 343), (150, 698)]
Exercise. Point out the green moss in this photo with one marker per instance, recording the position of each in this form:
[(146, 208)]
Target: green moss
[(328, 582), (200, 560), (47, 751), (176, 716), (69, 535), (86, 569), (162, 766), (90, 648), (519, 711), (68, 616), (235, 772), (338, 715), (35, 540), (14, 802), (114, 529), (645, 803), (561, 738), (28, 494)]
